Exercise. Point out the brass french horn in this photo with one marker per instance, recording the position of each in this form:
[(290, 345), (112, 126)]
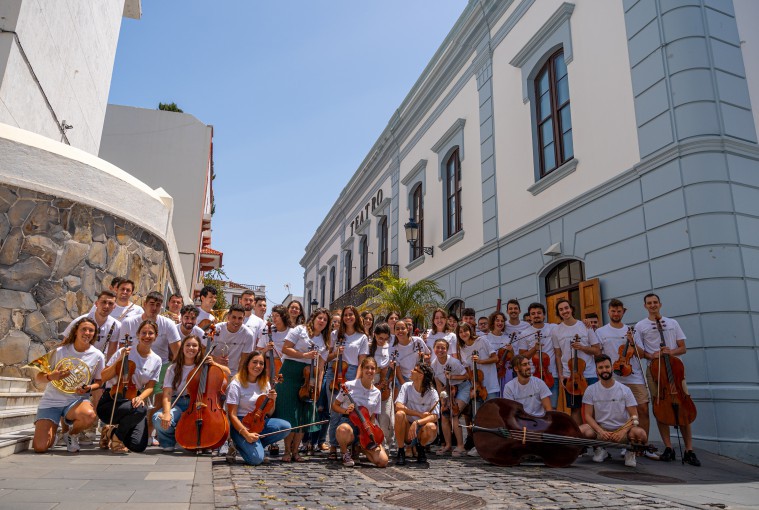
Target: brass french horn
[(79, 372)]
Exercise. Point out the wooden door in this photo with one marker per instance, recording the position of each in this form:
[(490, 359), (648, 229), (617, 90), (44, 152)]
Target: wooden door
[(551, 315), (590, 299)]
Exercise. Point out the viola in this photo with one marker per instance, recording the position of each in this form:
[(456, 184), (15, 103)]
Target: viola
[(309, 392), (477, 377), (340, 368), (672, 405), (387, 375), (542, 362), (451, 390), (622, 366), (419, 352), (505, 355), (125, 385), (275, 363), (255, 420), (370, 436), (504, 434), (204, 425), (576, 384)]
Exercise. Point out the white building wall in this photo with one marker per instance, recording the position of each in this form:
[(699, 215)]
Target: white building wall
[(70, 47), (746, 14)]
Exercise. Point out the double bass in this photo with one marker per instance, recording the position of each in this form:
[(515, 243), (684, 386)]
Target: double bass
[(204, 425), (672, 404), (370, 436)]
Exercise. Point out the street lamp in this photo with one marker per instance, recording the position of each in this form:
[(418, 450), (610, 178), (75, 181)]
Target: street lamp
[(412, 236)]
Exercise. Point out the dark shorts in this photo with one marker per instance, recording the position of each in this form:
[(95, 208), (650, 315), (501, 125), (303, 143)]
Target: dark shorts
[(575, 401)]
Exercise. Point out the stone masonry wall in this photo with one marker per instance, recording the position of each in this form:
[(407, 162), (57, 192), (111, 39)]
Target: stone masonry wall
[(56, 255)]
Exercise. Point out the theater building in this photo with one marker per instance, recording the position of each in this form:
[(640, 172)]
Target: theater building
[(590, 150)]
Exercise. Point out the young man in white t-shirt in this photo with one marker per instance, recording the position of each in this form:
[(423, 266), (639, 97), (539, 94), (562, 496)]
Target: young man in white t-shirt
[(124, 307), (252, 321), (529, 391), (233, 340), (530, 347), (515, 324), (674, 345), (208, 300), (610, 413), (188, 317)]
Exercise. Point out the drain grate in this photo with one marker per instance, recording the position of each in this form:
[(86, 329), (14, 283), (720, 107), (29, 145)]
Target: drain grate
[(426, 499), (636, 476), (386, 475)]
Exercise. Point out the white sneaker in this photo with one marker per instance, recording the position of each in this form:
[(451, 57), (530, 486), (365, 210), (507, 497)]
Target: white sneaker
[(72, 442), (223, 449), (630, 459), (623, 452), (168, 449), (87, 438), (651, 455), (599, 454), (473, 453), (231, 452)]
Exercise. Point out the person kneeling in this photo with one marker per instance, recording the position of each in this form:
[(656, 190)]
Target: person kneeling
[(610, 413), (416, 413)]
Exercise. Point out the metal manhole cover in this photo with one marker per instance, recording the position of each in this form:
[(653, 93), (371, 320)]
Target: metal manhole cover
[(386, 475), (426, 499), (637, 476)]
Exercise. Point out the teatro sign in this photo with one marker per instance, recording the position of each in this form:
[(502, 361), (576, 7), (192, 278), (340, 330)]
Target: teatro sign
[(363, 214)]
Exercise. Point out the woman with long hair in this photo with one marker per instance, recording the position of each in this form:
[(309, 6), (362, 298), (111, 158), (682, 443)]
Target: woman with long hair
[(416, 413), (380, 350), (295, 311), (303, 344), (391, 319), (440, 330), (498, 339), (449, 369), (126, 419), (186, 364), (75, 408), (251, 382), (410, 351), (367, 318)]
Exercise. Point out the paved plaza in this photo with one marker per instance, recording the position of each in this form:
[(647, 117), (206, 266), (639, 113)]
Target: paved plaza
[(99, 480)]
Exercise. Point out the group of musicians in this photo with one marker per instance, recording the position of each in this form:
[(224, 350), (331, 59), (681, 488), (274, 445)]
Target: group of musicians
[(341, 383)]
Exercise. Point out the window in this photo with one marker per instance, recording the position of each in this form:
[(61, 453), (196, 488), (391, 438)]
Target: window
[(323, 290), (554, 123), (235, 299), (364, 253), (457, 307), (310, 306), (383, 242), (331, 284), (417, 211), (348, 270), (563, 281), (453, 193)]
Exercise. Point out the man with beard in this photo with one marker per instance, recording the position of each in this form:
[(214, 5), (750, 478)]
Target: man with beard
[(174, 308), (610, 413), (528, 390), (252, 321), (188, 316)]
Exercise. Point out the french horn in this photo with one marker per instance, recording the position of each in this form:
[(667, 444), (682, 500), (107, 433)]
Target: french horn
[(79, 372)]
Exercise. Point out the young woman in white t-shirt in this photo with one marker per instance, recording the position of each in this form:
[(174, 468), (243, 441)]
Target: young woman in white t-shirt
[(440, 330), (459, 383), (410, 349), (75, 409), (128, 429), (416, 413), (381, 351), (189, 356)]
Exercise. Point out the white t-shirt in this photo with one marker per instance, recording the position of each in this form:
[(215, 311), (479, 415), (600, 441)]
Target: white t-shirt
[(612, 339), (563, 336), (167, 334), (233, 345), (298, 336), (439, 369), (122, 313), (649, 334), (510, 328), (203, 315), (489, 371), (145, 370), (355, 345), (546, 343), (370, 398), (104, 334), (409, 397), (278, 337), (168, 379), (194, 331), (92, 357), (245, 398), (256, 325), (450, 337), (529, 395), (382, 356), (609, 405), (408, 355)]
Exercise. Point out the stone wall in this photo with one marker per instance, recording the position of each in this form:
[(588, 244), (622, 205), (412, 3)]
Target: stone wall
[(55, 257)]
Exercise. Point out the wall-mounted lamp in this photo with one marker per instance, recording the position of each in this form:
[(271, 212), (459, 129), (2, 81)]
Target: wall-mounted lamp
[(412, 236)]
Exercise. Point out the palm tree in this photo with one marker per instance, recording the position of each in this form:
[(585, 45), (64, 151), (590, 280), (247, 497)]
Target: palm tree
[(393, 293)]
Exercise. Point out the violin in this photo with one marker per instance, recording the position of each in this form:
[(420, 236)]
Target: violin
[(125, 385), (204, 425), (419, 352), (576, 384), (255, 420), (672, 405), (309, 392), (477, 376), (387, 375), (505, 355), (504, 434), (275, 363), (542, 362), (370, 436), (340, 367), (622, 366), (451, 390)]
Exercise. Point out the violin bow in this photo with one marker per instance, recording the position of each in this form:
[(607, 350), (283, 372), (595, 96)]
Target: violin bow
[(192, 375), (631, 330), (127, 338), (294, 428)]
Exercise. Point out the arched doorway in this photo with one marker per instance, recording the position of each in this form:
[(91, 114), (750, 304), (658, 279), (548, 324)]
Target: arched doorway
[(456, 306), (567, 280)]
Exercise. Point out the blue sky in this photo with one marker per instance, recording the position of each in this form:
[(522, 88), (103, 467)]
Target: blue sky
[(297, 92)]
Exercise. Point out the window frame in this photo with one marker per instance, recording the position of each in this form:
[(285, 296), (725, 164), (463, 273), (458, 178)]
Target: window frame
[(417, 214), (549, 67), (322, 290), (363, 258), (332, 278), (383, 242), (348, 270), (453, 195)]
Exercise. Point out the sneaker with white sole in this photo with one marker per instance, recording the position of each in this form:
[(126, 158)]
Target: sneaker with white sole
[(630, 458), (231, 452), (224, 449), (72, 442), (473, 452), (168, 449), (348, 459), (599, 454), (623, 452), (653, 455)]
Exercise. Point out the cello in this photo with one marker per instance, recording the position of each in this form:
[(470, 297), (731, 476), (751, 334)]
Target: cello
[(622, 367), (576, 384), (370, 436), (542, 362), (204, 425), (672, 405)]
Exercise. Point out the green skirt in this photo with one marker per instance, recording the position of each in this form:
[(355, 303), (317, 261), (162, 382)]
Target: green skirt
[(289, 406)]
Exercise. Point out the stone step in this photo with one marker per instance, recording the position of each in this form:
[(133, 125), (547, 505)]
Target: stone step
[(12, 400), (14, 384), (19, 418), (15, 442)]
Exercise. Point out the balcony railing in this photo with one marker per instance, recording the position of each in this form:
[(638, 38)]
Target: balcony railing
[(358, 294)]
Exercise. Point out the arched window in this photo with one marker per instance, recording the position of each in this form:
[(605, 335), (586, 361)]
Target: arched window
[(383, 242), (553, 119), (348, 270), (453, 194), (331, 284), (456, 307), (417, 211), (310, 306), (323, 290), (364, 253), (563, 281)]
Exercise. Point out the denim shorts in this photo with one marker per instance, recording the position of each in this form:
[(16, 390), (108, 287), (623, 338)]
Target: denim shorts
[(55, 414)]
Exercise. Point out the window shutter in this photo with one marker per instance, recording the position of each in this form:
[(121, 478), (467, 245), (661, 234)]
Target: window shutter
[(590, 298)]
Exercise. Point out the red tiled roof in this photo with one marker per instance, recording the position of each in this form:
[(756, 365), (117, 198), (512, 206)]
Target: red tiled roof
[(210, 251)]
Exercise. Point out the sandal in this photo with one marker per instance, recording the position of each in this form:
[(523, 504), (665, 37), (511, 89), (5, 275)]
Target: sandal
[(445, 449), (117, 446), (458, 452), (287, 457), (298, 458)]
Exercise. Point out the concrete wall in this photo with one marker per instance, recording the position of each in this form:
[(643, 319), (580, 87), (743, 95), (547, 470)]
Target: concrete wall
[(58, 66)]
